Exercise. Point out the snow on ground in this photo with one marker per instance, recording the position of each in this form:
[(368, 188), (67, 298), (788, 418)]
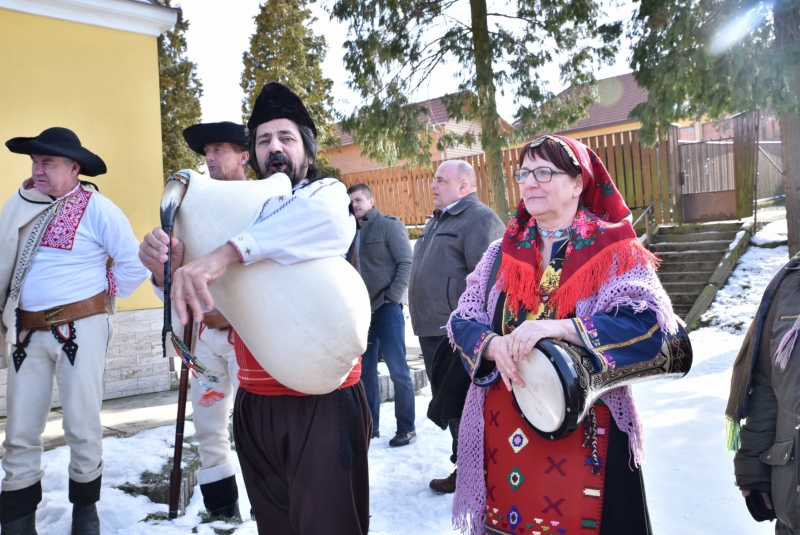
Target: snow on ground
[(688, 473), (771, 233)]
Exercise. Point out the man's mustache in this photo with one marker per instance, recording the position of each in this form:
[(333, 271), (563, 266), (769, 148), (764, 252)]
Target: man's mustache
[(281, 158)]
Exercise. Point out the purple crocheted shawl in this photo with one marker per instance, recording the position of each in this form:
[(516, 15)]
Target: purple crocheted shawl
[(638, 288)]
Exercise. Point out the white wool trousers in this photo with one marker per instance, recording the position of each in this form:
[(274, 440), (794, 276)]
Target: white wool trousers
[(80, 388), (214, 348)]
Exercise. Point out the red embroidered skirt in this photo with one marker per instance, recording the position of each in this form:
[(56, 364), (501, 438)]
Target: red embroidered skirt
[(536, 486)]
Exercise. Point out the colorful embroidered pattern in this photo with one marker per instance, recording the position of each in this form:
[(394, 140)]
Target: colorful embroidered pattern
[(60, 233), (632, 341), (514, 517), (483, 341), (591, 339), (515, 478), (112, 283), (518, 440)]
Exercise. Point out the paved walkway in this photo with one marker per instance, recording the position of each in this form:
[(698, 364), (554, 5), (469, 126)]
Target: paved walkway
[(123, 417)]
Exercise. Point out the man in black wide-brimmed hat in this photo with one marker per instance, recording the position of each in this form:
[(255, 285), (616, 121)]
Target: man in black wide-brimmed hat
[(303, 457), (57, 235), (224, 147)]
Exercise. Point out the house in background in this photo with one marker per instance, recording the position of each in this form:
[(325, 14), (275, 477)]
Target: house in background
[(92, 66), (348, 158), (616, 97)]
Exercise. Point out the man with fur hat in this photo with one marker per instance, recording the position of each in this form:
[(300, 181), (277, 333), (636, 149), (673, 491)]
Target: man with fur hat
[(303, 458), (224, 147), (57, 235)]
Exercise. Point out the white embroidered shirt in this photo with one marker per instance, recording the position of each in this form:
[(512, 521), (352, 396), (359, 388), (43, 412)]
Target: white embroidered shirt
[(314, 222), (70, 264)]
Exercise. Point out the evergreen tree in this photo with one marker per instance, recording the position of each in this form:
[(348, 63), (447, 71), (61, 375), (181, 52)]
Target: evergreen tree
[(396, 45), (180, 97), (717, 57), (284, 49)]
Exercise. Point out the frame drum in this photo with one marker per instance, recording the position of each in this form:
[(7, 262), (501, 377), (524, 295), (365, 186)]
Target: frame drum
[(552, 401), (561, 384)]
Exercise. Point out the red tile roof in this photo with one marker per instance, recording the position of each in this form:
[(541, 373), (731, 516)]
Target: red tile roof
[(617, 97)]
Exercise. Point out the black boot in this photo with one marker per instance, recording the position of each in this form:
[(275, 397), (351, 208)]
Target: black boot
[(221, 498), (84, 497), (23, 526), (85, 520), (18, 510)]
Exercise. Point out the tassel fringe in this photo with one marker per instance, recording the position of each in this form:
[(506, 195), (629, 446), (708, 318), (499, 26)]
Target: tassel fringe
[(521, 281), (787, 346), (733, 431), (588, 279), (203, 375)]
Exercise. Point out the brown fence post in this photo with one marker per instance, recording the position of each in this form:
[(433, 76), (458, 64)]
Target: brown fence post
[(674, 173)]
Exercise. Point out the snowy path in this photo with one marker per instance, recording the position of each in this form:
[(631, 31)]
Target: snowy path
[(688, 473)]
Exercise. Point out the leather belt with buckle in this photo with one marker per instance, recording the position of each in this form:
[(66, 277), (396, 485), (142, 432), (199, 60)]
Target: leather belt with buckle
[(43, 320)]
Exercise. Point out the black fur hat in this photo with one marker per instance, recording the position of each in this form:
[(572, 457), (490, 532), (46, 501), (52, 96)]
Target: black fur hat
[(276, 101)]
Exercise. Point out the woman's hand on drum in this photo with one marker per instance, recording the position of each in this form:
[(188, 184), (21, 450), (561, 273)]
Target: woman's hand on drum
[(497, 350), (153, 254), (523, 338), (191, 282)]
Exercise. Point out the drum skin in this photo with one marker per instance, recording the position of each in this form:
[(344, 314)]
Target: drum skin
[(542, 401), (307, 323), (552, 402)]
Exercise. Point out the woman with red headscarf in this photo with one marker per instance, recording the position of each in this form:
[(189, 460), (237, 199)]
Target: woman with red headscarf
[(572, 269)]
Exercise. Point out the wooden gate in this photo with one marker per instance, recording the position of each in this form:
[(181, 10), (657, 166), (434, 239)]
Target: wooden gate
[(717, 177)]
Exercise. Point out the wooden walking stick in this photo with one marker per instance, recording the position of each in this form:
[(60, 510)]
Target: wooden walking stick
[(176, 476), (174, 190)]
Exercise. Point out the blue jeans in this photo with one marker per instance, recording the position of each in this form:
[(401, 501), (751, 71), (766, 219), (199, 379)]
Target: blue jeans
[(387, 335)]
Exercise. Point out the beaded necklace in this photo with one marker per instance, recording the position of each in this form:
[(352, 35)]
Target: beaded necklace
[(555, 234)]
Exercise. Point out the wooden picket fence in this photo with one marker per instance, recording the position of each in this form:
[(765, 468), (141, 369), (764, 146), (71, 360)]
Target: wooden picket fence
[(639, 172)]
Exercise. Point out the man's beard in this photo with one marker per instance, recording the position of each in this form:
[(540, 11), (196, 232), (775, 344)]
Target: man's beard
[(289, 170)]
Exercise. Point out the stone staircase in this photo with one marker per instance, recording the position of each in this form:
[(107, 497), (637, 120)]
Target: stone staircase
[(696, 262)]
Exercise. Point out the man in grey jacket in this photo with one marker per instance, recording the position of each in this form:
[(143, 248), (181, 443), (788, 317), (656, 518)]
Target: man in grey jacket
[(450, 246), (381, 253)]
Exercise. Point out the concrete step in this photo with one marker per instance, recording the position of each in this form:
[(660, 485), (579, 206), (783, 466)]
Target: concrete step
[(727, 236), (683, 298), (684, 287), (684, 276), (681, 310), (711, 245), (671, 265), (690, 256), (691, 229)]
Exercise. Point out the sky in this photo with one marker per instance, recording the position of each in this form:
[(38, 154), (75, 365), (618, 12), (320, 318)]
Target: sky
[(688, 474), (218, 36)]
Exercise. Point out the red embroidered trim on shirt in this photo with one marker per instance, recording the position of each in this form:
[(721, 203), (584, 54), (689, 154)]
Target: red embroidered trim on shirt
[(60, 233), (112, 283)]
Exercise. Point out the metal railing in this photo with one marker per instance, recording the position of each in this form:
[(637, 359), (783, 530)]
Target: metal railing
[(647, 210)]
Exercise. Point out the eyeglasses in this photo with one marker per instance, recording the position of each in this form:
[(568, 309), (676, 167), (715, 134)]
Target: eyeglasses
[(541, 174)]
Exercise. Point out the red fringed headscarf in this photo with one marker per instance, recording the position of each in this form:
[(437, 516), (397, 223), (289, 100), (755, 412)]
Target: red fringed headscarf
[(601, 235)]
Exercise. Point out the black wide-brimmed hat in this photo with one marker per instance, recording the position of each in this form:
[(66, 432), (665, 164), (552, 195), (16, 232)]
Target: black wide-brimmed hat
[(276, 101), (198, 136), (59, 141)]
